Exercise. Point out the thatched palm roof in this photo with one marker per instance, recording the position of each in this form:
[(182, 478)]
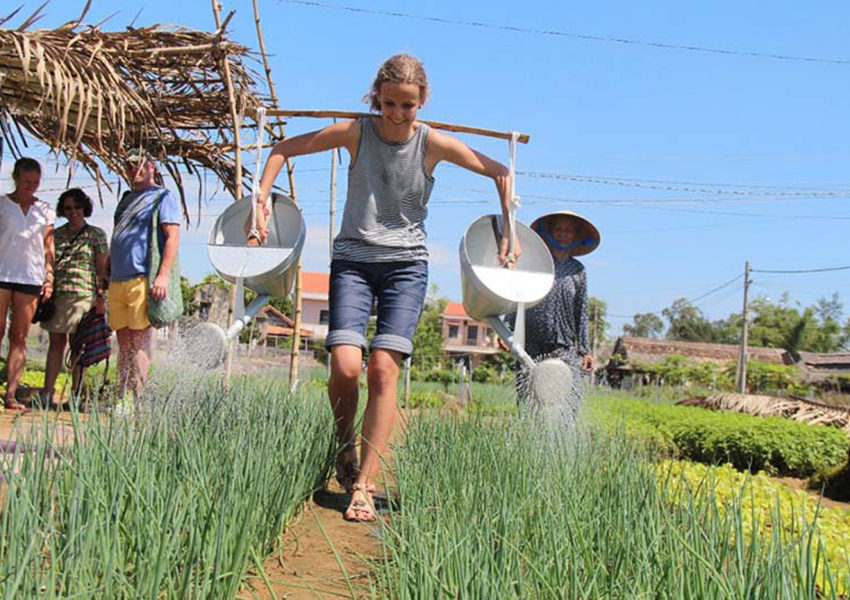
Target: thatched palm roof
[(832, 361), (91, 95)]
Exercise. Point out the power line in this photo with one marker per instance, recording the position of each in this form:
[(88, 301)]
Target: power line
[(797, 271), (759, 215), (685, 186), (717, 289), (578, 36), (691, 301)]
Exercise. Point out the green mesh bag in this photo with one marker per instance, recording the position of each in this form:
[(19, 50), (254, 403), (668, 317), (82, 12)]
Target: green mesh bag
[(165, 311)]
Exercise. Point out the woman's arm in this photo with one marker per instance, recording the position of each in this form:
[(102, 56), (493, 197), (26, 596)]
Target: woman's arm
[(446, 147), (49, 260), (338, 135), (101, 265), (345, 134)]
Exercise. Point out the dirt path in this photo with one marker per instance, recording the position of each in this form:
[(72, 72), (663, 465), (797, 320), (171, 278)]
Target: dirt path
[(322, 555)]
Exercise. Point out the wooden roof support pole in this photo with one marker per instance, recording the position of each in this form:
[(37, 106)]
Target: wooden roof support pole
[(231, 302), (296, 301)]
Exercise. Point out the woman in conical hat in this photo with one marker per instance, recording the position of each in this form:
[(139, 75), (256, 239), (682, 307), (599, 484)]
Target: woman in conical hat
[(558, 326)]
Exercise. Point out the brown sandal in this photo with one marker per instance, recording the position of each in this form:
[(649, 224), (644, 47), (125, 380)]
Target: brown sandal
[(362, 507), (16, 407)]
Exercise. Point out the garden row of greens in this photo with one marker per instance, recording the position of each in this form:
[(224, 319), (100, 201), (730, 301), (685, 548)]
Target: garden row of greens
[(502, 509), (764, 505), (773, 444), (176, 502)]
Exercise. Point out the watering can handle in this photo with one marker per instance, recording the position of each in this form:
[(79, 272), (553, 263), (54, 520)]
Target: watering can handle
[(513, 199), (255, 187)]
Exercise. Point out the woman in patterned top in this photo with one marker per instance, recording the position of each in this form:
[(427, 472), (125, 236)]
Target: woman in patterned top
[(81, 258), (557, 326)]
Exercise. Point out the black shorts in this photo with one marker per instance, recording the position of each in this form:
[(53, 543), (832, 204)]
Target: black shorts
[(23, 288)]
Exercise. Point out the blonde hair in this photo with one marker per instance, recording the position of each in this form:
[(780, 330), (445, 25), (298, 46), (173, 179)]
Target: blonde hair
[(401, 68)]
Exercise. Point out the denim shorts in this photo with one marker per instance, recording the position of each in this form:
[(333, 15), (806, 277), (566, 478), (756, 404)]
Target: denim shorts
[(398, 287)]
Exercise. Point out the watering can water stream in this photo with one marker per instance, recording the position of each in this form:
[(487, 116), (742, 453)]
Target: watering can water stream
[(491, 291), (268, 270)]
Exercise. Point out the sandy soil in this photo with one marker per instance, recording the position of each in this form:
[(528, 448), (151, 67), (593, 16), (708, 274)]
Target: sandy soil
[(322, 555)]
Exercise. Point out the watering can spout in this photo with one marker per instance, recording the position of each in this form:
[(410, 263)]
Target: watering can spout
[(510, 339), (250, 312)]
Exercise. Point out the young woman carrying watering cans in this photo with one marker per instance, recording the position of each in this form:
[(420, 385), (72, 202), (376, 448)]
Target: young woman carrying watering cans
[(380, 253)]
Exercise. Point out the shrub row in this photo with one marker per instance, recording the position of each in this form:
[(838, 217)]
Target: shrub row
[(772, 444)]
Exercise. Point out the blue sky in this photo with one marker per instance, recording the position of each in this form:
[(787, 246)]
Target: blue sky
[(689, 162)]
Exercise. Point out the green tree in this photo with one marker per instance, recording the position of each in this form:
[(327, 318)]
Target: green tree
[(187, 291), (646, 325), (428, 337), (727, 331), (814, 328), (687, 322), (598, 324), (831, 334), (777, 324)]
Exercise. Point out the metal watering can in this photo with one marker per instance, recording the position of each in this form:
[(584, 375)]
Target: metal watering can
[(491, 291), (268, 270)]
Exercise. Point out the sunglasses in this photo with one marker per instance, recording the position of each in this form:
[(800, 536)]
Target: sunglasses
[(68, 207)]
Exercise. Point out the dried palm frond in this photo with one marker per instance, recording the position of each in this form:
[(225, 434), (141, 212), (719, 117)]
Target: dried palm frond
[(93, 95), (806, 411)]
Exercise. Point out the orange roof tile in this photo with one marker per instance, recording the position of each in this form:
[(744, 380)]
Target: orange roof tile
[(315, 283), (454, 309)]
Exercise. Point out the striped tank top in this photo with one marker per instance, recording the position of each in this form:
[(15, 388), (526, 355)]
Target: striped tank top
[(386, 204)]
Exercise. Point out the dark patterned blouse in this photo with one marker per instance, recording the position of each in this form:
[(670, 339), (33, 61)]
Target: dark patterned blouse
[(558, 325)]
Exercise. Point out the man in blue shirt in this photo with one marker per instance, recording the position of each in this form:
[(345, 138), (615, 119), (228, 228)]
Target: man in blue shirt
[(128, 259)]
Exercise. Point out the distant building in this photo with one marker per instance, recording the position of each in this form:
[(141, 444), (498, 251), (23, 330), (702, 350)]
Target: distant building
[(315, 306), (631, 353), (464, 336), (829, 372), (275, 327)]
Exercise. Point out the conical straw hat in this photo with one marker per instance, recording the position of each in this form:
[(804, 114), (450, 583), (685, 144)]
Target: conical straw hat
[(587, 233)]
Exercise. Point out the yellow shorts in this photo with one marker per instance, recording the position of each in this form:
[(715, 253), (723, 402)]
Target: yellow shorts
[(127, 304)]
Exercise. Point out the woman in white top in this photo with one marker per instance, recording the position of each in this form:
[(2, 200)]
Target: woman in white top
[(26, 266)]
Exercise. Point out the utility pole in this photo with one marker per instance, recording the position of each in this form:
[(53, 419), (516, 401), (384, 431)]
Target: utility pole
[(741, 375)]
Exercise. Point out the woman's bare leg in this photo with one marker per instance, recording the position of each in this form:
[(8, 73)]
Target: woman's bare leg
[(378, 420), (55, 356), (343, 393), (23, 308)]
